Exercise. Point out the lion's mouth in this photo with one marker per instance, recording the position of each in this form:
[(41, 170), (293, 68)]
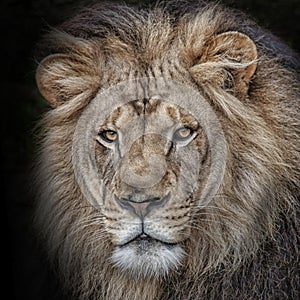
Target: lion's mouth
[(144, 240)]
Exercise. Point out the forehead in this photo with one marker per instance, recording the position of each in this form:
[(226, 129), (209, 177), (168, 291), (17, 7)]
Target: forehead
[(151, 112)]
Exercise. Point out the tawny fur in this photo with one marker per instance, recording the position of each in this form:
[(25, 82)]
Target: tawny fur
[(245, 243)]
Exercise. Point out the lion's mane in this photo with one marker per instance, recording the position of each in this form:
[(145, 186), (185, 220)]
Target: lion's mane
[(245, 244)]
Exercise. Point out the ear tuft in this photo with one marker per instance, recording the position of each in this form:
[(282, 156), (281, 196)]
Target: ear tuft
[(232, 52), (48, 75)]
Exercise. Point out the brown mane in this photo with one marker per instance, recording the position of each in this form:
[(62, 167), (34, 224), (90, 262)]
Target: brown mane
[(246, 249)]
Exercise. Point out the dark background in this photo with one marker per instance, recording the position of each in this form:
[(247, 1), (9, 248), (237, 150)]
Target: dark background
[(23, 23)]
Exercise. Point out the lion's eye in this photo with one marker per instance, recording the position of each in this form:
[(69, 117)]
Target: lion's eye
[(108, 136), (182, 134)]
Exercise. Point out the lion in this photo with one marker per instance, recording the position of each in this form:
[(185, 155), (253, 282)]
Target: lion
[(169, 164)]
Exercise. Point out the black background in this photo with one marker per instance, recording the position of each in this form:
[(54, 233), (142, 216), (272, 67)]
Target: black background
[(23, 23)]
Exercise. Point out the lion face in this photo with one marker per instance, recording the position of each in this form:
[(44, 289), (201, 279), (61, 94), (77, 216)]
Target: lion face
[(145, 151), (153, 156)]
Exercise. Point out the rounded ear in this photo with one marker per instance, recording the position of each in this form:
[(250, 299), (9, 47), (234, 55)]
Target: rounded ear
[(238, 47), (62, 77), (230, 51), (48, 75)]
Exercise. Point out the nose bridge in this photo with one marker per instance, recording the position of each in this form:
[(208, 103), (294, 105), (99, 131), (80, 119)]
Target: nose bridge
[(139, 156), (141, 150), (145, 164), (142, 208)]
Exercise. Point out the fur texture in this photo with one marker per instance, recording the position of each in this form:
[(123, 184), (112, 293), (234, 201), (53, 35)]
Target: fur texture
[(245, 243)]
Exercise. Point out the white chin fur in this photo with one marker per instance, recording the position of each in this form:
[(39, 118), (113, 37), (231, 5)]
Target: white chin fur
[(144, 259)]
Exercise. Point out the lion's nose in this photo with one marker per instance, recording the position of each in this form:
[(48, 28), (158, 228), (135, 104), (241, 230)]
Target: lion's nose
[(142, 208)]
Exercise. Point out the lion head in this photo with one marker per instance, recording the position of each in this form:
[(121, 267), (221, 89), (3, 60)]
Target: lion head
[(171, 154)]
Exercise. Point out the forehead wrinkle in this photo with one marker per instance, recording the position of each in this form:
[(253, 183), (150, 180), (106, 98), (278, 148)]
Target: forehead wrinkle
[(123, 115), (138, 106), (149, 112)]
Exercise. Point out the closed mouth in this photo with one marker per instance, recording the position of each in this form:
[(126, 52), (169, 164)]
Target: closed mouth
[(147, 239)]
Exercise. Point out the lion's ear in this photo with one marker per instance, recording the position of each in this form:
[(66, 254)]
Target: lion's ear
[(230, 54), (50, 76), (61, 77)]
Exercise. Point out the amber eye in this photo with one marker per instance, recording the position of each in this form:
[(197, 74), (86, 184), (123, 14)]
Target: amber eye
[(182, 134), (108, 136)]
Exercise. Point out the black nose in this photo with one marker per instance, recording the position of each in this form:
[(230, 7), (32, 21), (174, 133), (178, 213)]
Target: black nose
[(142, 207)]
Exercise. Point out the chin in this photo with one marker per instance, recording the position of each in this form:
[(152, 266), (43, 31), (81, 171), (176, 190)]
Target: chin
[(148, 258)]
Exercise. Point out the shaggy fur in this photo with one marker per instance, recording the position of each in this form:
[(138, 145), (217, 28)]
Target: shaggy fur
[(245, 243)]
